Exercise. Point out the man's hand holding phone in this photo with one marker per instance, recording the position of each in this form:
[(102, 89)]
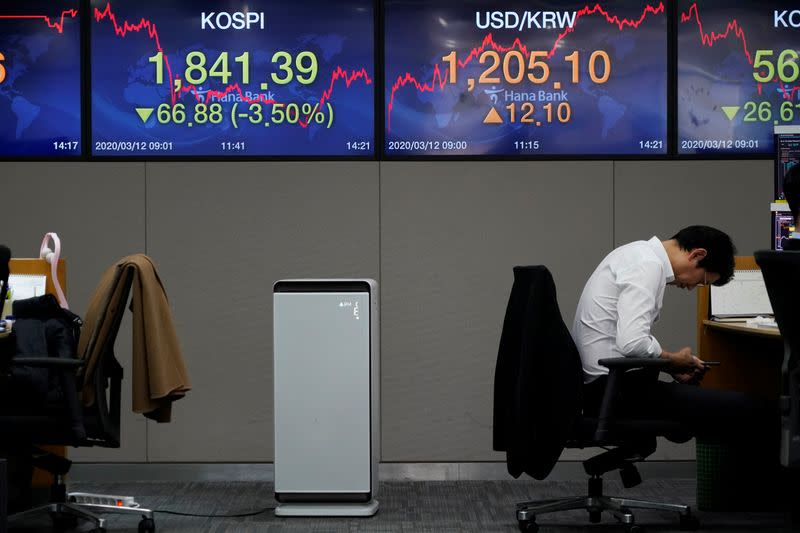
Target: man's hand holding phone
[(686, 367)]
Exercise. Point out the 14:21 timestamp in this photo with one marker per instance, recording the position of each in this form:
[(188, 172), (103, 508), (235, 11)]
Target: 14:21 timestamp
[(360, 146), (651, 144)]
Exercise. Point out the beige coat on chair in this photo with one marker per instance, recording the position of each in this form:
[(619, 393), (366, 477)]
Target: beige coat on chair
[(159, 374)]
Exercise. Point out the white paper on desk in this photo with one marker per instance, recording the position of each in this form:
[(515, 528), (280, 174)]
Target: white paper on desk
[(745, 295), (24, 286)]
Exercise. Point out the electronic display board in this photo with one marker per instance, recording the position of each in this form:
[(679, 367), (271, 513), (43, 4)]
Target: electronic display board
[(787, 154), (737, 75), (232, 78), (40, 79), (525, 78)]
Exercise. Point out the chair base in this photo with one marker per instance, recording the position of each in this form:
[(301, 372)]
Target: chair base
[(61, 510), (596, 503), (108, 503), (85, 506)]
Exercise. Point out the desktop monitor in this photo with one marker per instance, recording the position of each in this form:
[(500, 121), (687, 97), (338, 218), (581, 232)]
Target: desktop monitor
[(783, 227), (787, 154)]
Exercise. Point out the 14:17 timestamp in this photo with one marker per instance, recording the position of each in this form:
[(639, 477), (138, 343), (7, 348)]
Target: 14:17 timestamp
[(65, 146)]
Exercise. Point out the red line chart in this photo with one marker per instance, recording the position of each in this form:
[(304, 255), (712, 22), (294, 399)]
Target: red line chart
[(439, 78), (143, 25)]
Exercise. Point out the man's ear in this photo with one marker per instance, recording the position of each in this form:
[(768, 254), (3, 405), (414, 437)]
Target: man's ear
[(697, 255)]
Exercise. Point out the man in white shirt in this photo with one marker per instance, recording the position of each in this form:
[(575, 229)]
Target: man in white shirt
[(618, 307)]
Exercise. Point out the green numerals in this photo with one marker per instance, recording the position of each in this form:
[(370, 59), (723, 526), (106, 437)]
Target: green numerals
[(305, 63), (304, 67), (786, 68)]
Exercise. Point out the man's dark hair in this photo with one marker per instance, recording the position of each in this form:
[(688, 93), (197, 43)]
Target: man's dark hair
[(719, 246), (791, 190)]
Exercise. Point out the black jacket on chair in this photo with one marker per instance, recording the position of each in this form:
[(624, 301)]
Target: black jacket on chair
[(537, 365)]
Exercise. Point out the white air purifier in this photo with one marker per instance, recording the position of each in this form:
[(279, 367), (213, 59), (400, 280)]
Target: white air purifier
[(327, 412)]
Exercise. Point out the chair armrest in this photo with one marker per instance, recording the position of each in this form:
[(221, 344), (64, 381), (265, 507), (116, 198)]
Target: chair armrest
[(53, 362), (616, 367), (627, 363)]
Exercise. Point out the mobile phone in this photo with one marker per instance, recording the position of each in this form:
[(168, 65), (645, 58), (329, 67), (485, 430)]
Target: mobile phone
[(711, 363)]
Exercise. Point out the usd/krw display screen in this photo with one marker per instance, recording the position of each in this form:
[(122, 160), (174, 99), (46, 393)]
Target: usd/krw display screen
[(525, 78), (737, 74), (40, 79), (242, 78)]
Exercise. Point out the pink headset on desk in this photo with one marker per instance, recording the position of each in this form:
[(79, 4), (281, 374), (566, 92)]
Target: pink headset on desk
[(52, 257)]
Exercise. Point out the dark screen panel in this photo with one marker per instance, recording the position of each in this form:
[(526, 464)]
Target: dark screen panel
[(787, 155), (40, 79), (526, 78), (723, 47), (239, 78)]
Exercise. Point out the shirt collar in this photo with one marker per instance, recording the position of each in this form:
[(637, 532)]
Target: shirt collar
[(658, 247)]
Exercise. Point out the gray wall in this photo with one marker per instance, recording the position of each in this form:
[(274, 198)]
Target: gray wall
[(441, 238)]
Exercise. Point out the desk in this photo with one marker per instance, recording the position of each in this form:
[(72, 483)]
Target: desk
[(751, 358)]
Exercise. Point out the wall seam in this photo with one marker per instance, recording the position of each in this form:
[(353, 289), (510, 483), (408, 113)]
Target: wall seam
[(613, 205), (147, 252)]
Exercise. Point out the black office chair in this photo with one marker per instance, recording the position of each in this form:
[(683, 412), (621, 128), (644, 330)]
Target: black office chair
[(538, 409), (64, 419), (781, 272)]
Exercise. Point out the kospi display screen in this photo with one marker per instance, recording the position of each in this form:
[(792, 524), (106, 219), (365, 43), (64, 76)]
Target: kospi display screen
[(737, 74), (525, 78), (240, 78), (40, 79)]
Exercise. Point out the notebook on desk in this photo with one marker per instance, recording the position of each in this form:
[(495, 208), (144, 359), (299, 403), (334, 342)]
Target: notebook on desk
[(744, 296)]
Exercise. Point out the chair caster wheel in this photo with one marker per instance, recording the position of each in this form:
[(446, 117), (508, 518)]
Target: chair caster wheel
[(528, 526), (689, 523), (595, 516), (147, 525), (634, 529)]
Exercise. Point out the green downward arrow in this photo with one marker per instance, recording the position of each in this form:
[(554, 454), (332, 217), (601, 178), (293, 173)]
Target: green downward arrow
[(144, 113), (730, 111)]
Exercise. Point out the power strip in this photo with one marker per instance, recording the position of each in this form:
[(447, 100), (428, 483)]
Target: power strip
[(102, 499)]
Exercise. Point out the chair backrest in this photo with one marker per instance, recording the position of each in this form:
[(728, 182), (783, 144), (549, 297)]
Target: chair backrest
[(102, 374), (781, 275), (5, 258), (781, 270), (538, 377)]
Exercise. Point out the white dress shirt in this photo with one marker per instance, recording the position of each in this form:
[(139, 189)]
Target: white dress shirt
[(619, 305)]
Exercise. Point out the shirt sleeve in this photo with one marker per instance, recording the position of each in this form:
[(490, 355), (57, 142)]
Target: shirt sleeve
[(637, 309)]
